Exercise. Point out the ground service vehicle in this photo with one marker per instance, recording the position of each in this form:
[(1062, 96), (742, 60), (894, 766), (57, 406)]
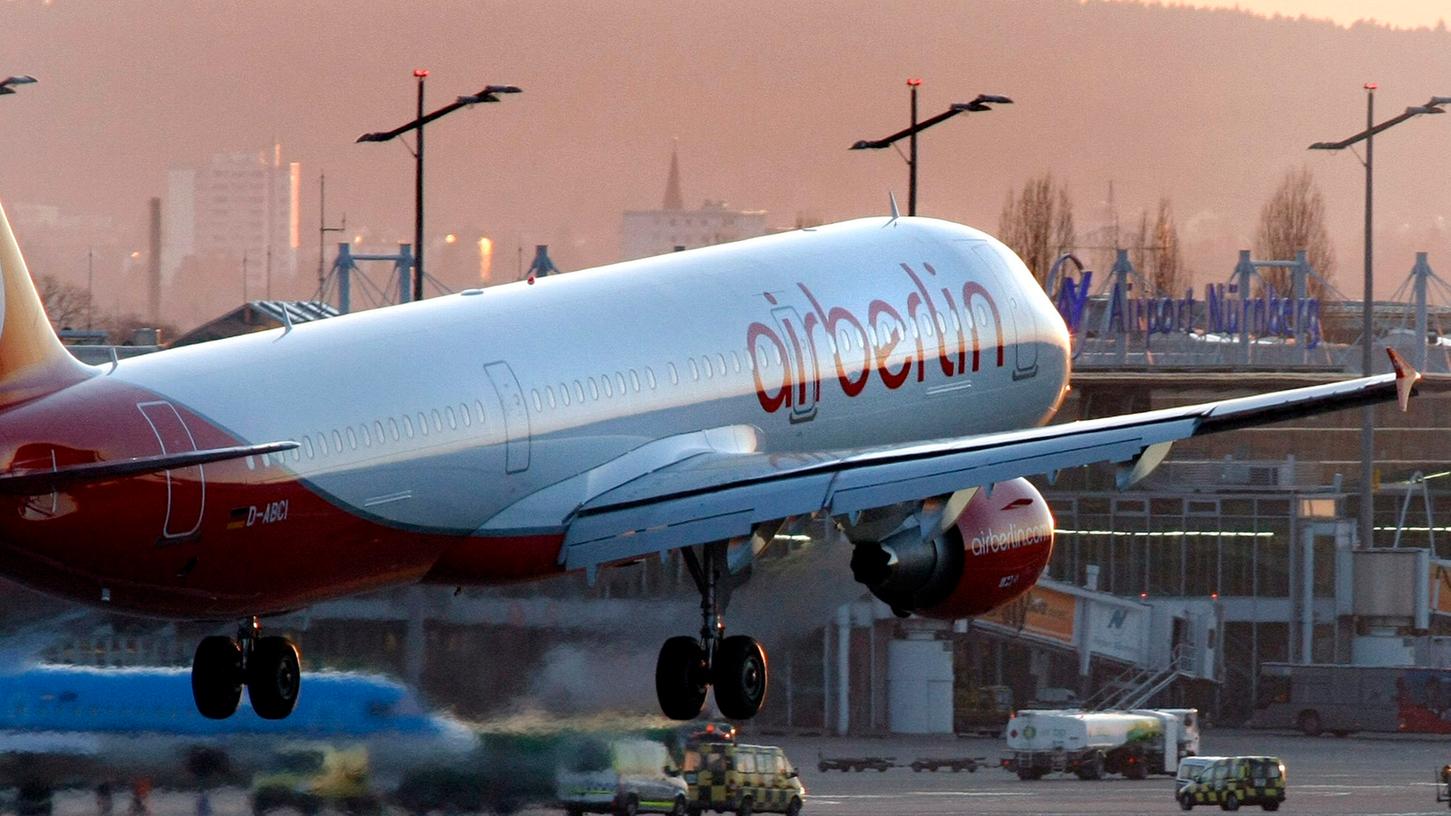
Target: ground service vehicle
[(310, 776), (744, 779), (1091, 744), (1190, 769), (1342, 699), (857, 763), (624, 776), (1234, 781)]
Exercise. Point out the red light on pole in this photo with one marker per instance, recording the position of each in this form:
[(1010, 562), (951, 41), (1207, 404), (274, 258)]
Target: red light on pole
[(420, 72), (1370, 86), (914, 81)]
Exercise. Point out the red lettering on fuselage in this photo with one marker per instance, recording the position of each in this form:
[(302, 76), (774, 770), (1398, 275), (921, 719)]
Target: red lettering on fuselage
[(787, 359)]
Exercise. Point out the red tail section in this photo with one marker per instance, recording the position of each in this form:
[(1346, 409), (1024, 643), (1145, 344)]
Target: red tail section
[(32, 360)]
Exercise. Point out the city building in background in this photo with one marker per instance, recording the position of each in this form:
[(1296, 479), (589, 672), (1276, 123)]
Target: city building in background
[(237, 210), (656, 232)]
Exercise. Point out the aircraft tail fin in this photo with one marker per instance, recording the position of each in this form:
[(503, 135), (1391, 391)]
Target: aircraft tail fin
[(32, 360)]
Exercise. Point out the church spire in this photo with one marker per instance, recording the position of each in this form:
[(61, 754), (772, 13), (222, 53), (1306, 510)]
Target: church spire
[(673, 200)]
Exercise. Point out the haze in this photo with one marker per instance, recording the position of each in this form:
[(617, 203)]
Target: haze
[(1208, 108)]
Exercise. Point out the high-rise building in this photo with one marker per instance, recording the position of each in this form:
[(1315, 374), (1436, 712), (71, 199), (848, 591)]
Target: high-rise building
[(237, 208), (654, 232)]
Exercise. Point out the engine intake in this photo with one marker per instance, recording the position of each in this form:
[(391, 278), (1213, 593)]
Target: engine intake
[(991, 553)]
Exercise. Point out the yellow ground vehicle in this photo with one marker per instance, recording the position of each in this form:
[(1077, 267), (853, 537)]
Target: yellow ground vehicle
[(1233, 781), (744, 779), (309, 776)]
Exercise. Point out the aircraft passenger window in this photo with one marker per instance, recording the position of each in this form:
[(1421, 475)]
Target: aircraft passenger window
[(407, 426), (736, 361), (483, 418), (650, 377), (941, 326), (605, 384), (674, 375), (694, 370), (378, 431), (322, 444), (720, 366), (463, 412), (594, 389), (926, 325), (453, 420), (365, 436), (352, 438), (549, 395), (578, 391), (564, 394), (337, 441), (307, 446), (393, 428), (422, 424), (620, 383), (538, 400), (634, 381), (776, 353), (437, 421), (297, 454)]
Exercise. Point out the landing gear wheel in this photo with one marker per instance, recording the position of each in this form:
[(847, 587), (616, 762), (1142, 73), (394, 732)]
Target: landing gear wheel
[(680, 678), (216, 677), (740, 677), (274, 677)]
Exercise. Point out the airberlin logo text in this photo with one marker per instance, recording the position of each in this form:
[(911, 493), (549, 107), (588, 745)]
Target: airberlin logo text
[(1013, 538), (793, 354)]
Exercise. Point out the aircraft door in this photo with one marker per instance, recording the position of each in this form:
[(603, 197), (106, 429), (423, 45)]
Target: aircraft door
[(186, 488), (1025, 346), (516, 415)]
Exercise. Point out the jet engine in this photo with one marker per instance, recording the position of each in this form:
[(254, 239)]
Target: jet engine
[(959, 557)]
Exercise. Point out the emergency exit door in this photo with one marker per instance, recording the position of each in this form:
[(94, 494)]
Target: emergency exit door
[(515, 413)]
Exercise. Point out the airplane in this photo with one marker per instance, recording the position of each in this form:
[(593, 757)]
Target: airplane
[(80, 725), (893, 373)]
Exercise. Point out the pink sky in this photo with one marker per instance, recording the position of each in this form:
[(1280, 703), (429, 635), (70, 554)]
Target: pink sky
[(1398, 13)]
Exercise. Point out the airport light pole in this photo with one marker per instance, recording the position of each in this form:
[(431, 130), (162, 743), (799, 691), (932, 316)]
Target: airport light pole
[(978, 105), (488, 94), (7, 85), (1367, 315)]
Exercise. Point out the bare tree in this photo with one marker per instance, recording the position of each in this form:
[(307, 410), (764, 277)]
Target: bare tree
[(1294, 219), (68, 306), (1168, 275), (1038, 224)]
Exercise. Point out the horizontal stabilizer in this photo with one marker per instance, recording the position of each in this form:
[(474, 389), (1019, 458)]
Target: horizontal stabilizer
[(34, 482)]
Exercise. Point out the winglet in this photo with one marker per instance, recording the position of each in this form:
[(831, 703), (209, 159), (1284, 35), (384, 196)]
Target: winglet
[(1406, 378), (32, 360)]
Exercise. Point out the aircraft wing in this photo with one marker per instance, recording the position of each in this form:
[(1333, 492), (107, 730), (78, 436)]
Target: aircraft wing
[(719, 496)]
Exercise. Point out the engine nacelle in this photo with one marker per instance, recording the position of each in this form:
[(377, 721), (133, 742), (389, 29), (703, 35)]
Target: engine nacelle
[(991, 553)]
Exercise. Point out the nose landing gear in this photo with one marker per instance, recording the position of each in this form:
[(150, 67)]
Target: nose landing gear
[(270, 668), (736, 666)]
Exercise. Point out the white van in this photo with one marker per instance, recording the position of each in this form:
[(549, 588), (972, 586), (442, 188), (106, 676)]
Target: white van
[(1189, 770), (625, 776)]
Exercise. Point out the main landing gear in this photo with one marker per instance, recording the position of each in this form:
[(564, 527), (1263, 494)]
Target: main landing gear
[(270, 668), (687, 667)]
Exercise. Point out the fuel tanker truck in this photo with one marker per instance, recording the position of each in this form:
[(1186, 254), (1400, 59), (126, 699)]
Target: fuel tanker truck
[(1090, 744)]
